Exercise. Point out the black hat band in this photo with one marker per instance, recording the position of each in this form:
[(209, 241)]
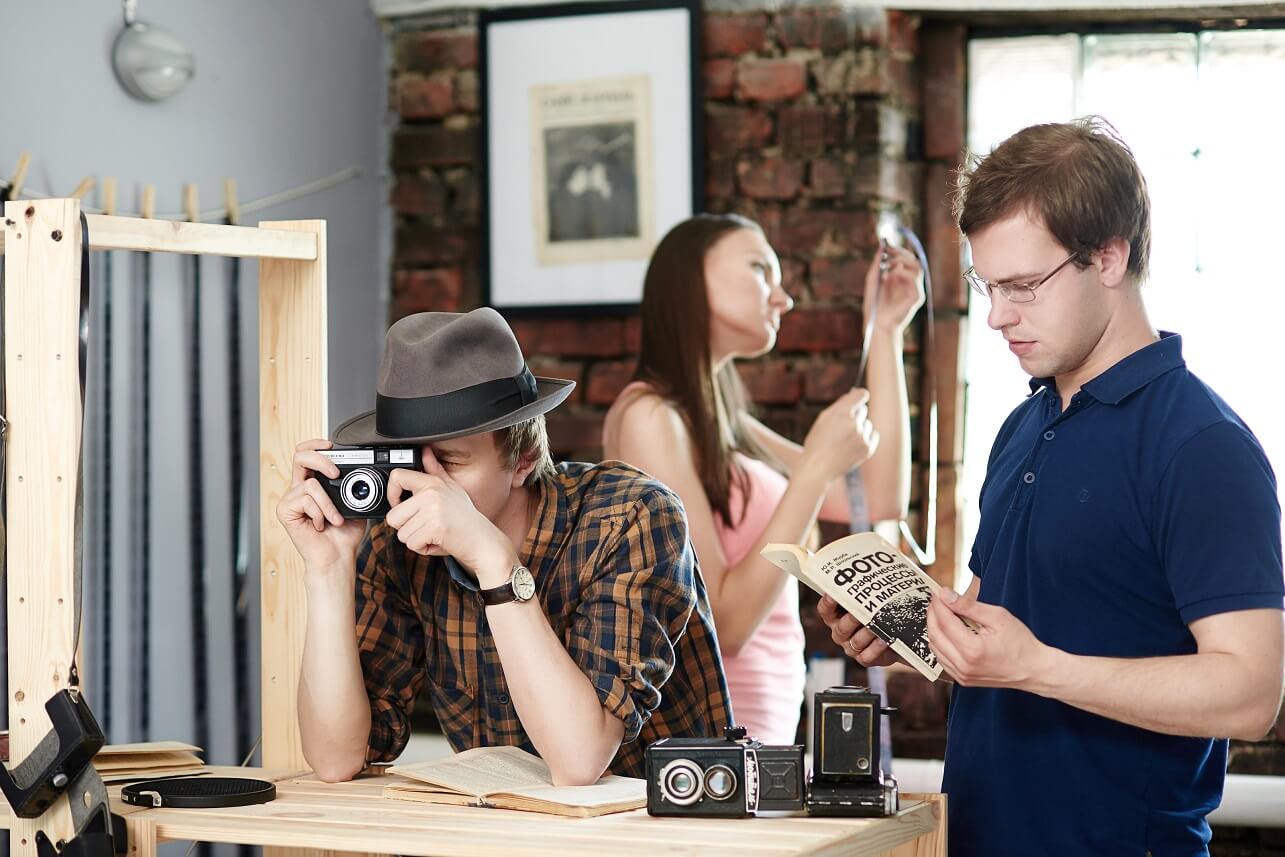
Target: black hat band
[(456, 411)]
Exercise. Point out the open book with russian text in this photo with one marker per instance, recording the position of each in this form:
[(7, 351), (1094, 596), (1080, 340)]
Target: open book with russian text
[(511, 778), (876, 583)]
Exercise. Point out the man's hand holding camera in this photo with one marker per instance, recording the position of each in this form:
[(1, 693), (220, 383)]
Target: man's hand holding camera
[(321, 535), (439, 519)]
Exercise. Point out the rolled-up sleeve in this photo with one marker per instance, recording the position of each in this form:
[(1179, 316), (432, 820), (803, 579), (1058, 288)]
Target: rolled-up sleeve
[(390, 642), (635, 607)]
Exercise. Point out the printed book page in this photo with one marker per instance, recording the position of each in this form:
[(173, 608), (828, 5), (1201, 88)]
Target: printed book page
[(876, 583), (606, 792), (482, 771), (511, 778)]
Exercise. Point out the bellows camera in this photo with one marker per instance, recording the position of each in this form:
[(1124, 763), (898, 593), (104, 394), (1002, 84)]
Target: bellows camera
[(847, 778), (729, 777), (735, 776), (361, 489)]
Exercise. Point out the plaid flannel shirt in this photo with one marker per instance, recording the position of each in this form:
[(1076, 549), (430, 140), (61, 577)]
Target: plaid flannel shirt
[(620, 586)]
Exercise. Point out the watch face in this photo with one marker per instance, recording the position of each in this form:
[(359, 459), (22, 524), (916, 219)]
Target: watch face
[(523, 583)]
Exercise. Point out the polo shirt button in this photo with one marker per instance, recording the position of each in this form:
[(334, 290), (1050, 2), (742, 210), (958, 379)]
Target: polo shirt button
[(1028, 477), (1048, 435), (502, 698)]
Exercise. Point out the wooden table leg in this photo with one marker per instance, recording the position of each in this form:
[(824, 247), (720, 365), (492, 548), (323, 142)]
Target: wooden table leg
[(142, 836)]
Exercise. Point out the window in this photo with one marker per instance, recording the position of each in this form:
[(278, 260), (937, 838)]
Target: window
[(1200, 113)]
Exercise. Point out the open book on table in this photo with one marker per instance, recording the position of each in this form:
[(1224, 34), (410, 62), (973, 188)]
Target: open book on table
[(877, 584), (511, 778)]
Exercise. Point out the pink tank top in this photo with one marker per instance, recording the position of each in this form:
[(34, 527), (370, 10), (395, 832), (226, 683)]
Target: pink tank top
[(766, 676)]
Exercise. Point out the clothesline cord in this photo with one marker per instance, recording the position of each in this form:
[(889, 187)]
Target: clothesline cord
[(218, 214)]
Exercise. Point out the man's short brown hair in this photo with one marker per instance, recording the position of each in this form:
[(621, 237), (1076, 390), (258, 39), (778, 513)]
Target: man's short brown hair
[(527, 441), (1078, 178)]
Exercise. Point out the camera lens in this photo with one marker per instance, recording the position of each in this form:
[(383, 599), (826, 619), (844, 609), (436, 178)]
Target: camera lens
[(362, 489), (681, 782), (720, 782)]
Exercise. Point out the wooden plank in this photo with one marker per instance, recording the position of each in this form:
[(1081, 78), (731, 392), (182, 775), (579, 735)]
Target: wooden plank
[(42, 386), (442, 834), (932, 843), (292, 407), (350, 816), (209, 239), (108, 232), (346, 816)]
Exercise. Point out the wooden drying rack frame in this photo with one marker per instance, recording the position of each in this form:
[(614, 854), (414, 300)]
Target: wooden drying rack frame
[(42, 250)]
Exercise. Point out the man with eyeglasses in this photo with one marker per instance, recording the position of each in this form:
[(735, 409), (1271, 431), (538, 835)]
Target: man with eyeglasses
[(1128, 579)]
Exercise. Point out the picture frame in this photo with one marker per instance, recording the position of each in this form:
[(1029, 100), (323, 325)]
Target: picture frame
[(591, 137)]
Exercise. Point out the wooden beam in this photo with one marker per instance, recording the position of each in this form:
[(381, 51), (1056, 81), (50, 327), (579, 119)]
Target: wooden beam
[(42, 391), (210, 239), (292, 408)]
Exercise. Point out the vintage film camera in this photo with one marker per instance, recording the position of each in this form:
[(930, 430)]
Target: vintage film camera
[(728, 777), (847, 778), (735, 776), (361, 491)]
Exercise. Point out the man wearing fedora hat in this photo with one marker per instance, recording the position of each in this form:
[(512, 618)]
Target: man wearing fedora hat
[(556, 608)]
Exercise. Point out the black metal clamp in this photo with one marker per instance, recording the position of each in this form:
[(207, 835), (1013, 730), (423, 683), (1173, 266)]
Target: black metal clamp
[(103, 835), (62, 762), (60, 757)]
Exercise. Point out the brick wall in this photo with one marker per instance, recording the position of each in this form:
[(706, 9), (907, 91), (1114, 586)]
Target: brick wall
[(808, 115), (811, 126)]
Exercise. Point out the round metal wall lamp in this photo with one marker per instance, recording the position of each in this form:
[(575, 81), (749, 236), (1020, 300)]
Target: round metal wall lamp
[(151, 64)]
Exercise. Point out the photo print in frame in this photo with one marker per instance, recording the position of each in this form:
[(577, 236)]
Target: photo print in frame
[(591, 140)]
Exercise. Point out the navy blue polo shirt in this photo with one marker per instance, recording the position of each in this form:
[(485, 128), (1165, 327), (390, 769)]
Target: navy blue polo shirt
[(1108, 528)]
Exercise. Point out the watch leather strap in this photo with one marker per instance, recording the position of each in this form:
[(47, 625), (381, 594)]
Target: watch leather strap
[(505, 592)]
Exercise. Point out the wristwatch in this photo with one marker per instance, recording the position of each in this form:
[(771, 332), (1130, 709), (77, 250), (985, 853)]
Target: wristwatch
[(519, 587)]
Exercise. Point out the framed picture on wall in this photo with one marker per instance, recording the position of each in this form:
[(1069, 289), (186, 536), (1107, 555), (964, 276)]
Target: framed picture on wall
[(591, 148)]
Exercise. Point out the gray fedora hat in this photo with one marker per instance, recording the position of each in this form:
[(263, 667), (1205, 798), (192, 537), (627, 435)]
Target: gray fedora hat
[(450, 374)]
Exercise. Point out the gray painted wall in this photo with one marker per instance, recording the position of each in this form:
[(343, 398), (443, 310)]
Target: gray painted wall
[(285, 92)]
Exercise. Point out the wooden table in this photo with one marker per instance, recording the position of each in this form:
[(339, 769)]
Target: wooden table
[(355, 816)]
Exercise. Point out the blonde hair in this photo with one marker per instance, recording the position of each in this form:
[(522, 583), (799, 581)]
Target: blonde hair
[(526, 442)]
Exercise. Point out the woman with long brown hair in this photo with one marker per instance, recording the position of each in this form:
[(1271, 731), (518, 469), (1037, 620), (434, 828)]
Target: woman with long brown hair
[(713, 294)]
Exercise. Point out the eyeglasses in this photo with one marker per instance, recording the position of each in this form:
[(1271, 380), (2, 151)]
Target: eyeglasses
[(1018, 293)]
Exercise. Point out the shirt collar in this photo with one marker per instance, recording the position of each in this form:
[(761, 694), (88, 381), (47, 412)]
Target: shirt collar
[(1132, 373), (544, 533)]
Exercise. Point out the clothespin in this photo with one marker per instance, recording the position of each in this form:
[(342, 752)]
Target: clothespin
[(189, 203), (230, 203), (85, 186), (19, 175), (109, 196), (148, 207)]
